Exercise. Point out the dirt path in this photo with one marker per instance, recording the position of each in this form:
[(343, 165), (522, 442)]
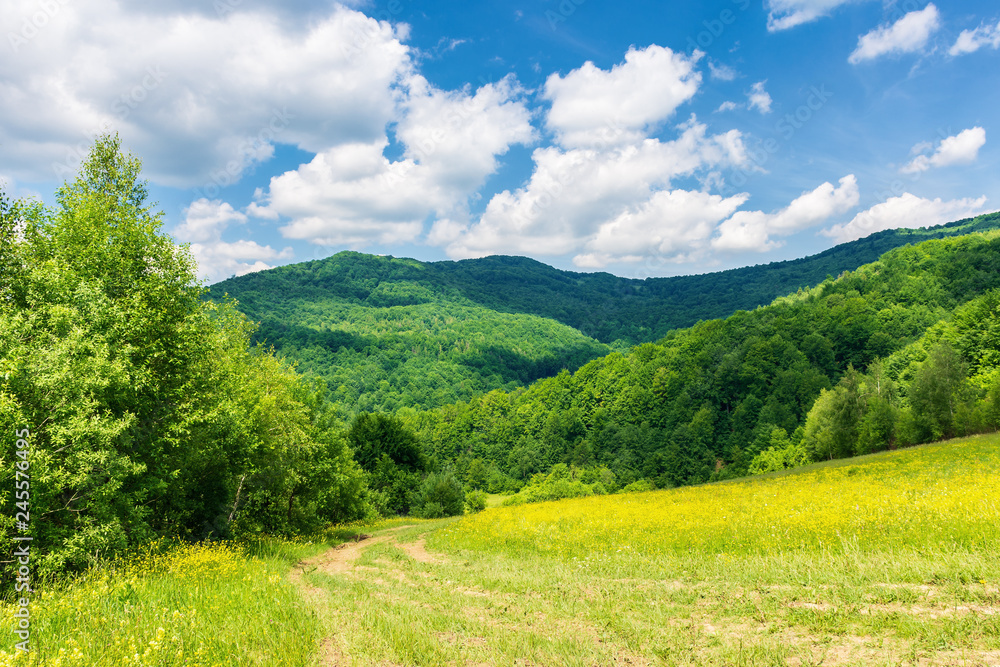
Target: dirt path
[(340, 560)]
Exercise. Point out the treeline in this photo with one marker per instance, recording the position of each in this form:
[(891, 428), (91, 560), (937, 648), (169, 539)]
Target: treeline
[(729, 397), (388, 333), (946, 384), (147, 410), (602, 306)]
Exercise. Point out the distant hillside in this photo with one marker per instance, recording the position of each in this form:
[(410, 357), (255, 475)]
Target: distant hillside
[(707, 402), (384, 341), (609, 308), (388, 333)]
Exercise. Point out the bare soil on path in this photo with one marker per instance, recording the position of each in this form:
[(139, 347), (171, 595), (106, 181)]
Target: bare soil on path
[(390, 602)]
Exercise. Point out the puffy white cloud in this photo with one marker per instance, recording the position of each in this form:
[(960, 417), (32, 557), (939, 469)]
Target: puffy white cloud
[(592, 107), (971, 41), (205, 220), (758, 98), (752, 230), (457, 136), (908, 211), (574, 194), (201, 96), (673, 224), (785, 14), (203, 226), (351, 194), (906, 35), (962, 148)]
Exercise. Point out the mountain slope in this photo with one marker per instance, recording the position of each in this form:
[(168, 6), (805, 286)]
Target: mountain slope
[(386, 344), (634, 311), (705, 401), (388, 333)]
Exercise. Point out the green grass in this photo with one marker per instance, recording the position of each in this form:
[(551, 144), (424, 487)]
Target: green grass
[(496, 499), (193, 606), (440, 593), (722, 574)]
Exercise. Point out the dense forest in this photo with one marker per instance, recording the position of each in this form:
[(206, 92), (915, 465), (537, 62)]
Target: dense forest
[(900, 351), (387, 333), (382, 345)]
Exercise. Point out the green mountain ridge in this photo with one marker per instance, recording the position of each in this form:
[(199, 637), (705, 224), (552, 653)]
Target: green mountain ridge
[(900, 351), (386, 332)]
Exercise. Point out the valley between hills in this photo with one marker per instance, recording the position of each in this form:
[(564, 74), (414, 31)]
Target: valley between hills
[(371, 460)]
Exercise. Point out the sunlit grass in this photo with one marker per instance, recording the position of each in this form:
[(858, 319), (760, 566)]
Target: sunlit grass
[(191, 604), (881, 560), (942, 494)]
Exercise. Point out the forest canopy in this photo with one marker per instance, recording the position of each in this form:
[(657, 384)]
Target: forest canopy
[(388, 333)]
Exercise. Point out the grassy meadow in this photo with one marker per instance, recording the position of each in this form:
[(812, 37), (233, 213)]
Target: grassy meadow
[(195, 605), (889, 559)]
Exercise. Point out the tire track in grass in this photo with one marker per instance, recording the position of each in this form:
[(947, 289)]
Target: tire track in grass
[(336, 560)]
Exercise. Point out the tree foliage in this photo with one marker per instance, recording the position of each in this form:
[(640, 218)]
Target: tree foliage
[(388, 333), (149, 412), (838, 366)]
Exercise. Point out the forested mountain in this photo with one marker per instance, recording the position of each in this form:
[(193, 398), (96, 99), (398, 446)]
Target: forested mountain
[(387, 333), (719, 399), (383, 340)]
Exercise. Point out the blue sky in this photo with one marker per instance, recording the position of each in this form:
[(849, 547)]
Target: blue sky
[(640, 138)]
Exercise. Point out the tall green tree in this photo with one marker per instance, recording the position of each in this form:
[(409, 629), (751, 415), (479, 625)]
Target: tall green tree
[(149, 413), (936, 392), (393, 457)]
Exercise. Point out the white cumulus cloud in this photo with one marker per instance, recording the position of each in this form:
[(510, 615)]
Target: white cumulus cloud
[(907, 35), (593, 107), (963, 148), (673, 224), (573, 193), (907, 211), (351, 194), (759, 99), (721, 72), (753, 230), (970, 41), (785, 14), (204, 223), (201, 97)]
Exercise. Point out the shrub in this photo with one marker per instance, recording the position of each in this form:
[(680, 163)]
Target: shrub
[(444, 490), (639, 486), (431, 511), (475, 502)]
